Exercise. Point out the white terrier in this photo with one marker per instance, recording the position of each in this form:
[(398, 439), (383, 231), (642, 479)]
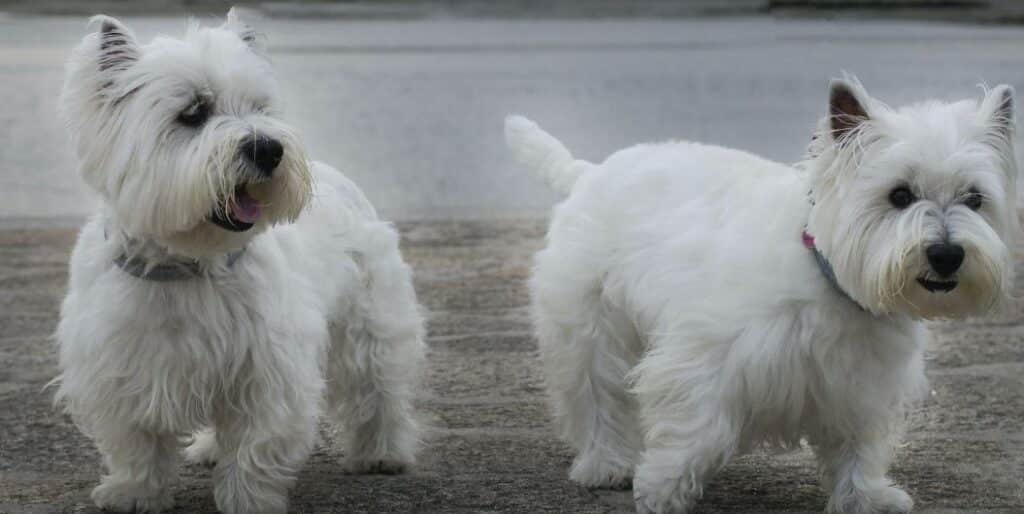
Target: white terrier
[(696, 301), (226, 283)]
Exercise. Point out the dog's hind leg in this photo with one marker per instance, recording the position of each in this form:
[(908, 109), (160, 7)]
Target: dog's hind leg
[(587, 347), (375, 361)]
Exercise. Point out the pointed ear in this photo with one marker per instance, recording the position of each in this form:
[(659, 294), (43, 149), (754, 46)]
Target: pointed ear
[(239, 21), (847, 107), (997, 108), (117, 47)]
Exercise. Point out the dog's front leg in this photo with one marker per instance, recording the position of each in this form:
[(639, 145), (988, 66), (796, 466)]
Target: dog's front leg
[(854, 471), (261, 450), (259, 464), (142, 469)]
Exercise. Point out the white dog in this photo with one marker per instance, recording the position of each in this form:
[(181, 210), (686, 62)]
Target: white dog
[(696, 301), (226, 283)]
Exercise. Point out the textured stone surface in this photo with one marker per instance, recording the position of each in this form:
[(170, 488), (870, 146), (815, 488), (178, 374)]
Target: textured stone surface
[(490, 446)]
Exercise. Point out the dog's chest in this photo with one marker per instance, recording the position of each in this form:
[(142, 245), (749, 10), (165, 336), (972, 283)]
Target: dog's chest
[(826, 369), (187, 349)]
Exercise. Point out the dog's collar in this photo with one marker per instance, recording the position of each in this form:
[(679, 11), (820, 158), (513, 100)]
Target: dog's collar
[(167, 271), (172, 271), (826, 268)]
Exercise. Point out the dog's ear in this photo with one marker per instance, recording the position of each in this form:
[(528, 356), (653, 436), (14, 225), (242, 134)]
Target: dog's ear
[(847, 107), (238, 21), (997, 109), (117, 47)]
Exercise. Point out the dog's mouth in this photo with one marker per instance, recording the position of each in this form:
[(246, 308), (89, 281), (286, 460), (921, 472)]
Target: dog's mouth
[(936, 285), (241, 213)]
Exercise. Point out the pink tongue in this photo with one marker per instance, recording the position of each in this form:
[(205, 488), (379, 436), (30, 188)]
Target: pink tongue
[(245, 208)]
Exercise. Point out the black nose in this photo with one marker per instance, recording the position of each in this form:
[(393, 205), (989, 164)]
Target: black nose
[(264, 152), (945, 258)]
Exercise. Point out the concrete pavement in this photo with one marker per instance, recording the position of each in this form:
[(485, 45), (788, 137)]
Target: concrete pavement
[(491, 448)]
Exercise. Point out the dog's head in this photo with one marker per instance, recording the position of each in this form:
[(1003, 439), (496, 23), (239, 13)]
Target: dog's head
[(182, 137), (915, 208)]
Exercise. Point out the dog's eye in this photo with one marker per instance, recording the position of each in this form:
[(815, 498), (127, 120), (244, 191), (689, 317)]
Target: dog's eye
[(195, 115), (974, 199), (901, 197)]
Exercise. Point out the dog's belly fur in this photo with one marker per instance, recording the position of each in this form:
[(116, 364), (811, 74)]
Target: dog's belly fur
[(683, 244), (173, 355)]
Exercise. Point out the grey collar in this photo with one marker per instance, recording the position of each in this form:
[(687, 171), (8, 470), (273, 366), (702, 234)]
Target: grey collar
[(167, 271), (826, 268)]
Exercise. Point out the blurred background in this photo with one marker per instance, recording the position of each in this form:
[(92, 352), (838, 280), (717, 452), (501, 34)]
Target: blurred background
[(407, 97)]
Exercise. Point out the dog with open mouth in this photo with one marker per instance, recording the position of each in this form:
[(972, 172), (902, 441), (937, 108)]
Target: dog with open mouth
[(229, 289), (693, 301)]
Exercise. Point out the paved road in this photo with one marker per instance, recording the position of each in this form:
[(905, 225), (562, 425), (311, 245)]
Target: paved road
[(412, 109), (491, 448)]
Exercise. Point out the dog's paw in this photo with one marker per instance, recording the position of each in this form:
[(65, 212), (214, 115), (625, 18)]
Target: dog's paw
[(131, 497), (658, 494), (376, 466), (894, 501), (651, 503), (239, 492), (593, 471), (204, 449), (882, 500)]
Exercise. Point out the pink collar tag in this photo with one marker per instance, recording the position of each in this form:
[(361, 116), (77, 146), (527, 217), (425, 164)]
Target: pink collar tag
[(808, 241)]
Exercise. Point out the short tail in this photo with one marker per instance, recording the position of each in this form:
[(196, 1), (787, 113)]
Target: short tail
[(547, 156)]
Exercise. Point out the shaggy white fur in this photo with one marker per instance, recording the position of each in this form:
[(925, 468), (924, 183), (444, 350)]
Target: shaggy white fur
[(292, 289), (682, 320)]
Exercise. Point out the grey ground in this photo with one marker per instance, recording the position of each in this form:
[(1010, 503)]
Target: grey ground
[(411, 110), (491, 448)]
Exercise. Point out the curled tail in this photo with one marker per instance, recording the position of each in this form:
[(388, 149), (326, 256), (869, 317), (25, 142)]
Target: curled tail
[(547, 156)]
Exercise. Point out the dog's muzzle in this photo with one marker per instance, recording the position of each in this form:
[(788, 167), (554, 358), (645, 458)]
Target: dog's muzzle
[(933, 286), (944, 259), (263, 152), (263, 155)]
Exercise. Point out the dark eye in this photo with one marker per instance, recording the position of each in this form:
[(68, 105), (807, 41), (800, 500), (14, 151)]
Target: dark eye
[(974, 199), (195, 115), (901, 197)]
